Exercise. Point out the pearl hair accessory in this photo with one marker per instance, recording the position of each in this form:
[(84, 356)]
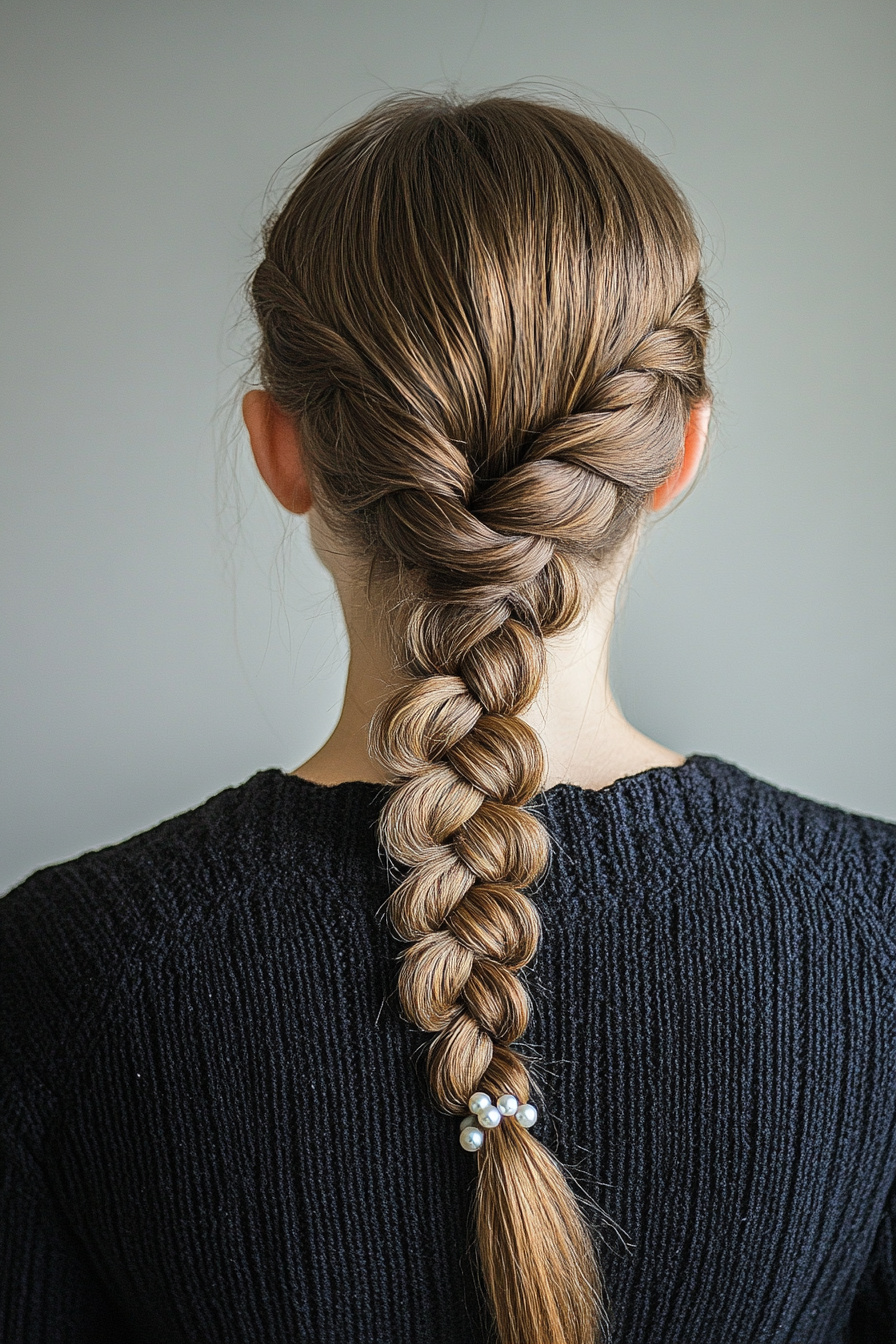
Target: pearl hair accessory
[(485, 1115)]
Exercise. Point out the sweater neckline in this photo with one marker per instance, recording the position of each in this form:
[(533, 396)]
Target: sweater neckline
[(366, 787)]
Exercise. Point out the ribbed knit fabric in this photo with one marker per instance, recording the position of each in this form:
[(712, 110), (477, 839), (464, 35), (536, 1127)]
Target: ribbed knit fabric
[(217, 1129)]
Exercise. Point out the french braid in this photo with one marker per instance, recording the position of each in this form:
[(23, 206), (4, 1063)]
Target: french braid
[(487, 542)]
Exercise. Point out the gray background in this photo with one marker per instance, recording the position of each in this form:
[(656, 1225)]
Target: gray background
[(166, 634)]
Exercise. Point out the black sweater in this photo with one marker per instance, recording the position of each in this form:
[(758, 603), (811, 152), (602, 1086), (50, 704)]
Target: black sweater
[(216, 1125)]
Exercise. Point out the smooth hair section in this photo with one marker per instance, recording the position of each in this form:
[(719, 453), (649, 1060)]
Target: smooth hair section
[(486, 317)]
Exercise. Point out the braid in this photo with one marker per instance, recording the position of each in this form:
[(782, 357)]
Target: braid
[(484, 463), (464, 766)]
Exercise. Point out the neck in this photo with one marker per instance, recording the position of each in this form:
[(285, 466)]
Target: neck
[(587, 739)]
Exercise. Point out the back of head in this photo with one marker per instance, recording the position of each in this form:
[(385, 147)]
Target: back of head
[(488, 321)]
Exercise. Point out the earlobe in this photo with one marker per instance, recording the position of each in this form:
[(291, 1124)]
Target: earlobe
[(685, 472), (277, 449)]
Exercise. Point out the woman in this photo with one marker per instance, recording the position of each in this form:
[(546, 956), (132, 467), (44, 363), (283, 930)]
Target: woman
[(657, 993)]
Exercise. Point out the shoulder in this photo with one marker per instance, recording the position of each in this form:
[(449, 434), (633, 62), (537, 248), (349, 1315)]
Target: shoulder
[(72, 935), (712, 801), (848, 857), (99, 901), (719, 828), (744, 808)]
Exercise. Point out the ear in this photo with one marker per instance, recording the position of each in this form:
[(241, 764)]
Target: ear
[(277, 449), (684, 473)]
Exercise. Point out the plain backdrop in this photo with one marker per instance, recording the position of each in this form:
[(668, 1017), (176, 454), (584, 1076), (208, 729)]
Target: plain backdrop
[(166, 633)]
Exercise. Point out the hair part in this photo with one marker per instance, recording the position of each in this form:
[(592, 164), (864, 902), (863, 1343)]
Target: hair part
[(488, 320)]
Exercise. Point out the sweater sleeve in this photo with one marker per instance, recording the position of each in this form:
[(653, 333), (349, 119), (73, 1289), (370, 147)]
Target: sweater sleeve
[(53, 940), (873, 1318), (48, 1291)]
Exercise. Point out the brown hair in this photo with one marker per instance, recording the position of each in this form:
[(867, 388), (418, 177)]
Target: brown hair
[(488, 320)]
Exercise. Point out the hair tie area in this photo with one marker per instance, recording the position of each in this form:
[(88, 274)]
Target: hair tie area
[(485, 1115)]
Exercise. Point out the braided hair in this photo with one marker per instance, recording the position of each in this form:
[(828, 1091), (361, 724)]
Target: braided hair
[(487, 318)]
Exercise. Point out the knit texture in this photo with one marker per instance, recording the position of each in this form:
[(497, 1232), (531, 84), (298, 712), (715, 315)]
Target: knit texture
[(216, 1126)]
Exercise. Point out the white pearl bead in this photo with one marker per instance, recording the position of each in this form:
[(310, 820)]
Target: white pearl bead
[(508, 1104), (469, 1120), (526, 1116), (471, 1139), (480, 1101), (490, 1118)]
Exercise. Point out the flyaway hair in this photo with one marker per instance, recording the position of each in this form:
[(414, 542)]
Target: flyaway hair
[(487, 319)]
